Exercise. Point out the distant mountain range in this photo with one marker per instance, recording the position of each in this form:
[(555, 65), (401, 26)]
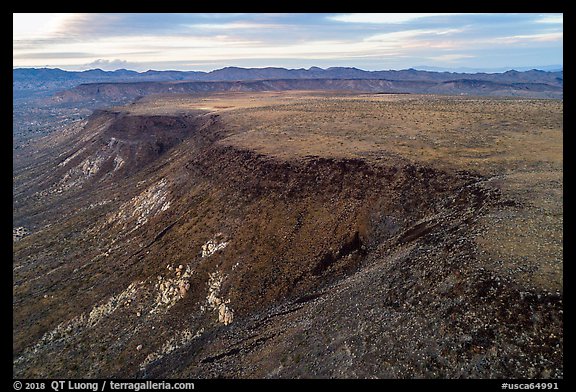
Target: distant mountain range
[(547, 68), (46, 81)]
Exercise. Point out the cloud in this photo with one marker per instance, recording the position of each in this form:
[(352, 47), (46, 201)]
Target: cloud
[(552, 19), (53, 55), (37, 26), (398, 36), (109, 65), (235, 26), (99, 25), (94, 26), (131, 40), (385, 18), (543, 37), (452, 57)]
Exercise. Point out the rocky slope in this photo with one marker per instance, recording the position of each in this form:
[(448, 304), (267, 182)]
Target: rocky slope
[(158, 246)]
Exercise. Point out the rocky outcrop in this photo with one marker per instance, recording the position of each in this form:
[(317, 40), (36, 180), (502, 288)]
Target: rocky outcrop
[(215, 302), (171, 289), (19, 232), (214, 245), (139, 209), (67, 330), (179, 340)]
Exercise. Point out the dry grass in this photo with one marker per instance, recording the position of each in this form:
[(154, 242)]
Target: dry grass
[(488, 135), (516, 143), (380, 237)]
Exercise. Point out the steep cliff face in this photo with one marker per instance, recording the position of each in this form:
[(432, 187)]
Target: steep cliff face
[(159, 249)]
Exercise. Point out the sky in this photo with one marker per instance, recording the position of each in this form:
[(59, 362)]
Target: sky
[(204, 42)]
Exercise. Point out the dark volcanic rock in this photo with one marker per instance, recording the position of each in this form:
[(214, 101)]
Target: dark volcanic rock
[(159, 251)]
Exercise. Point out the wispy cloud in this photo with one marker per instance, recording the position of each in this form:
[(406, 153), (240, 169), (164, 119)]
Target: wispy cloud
[(385, 18), (552, 19), (544, 37), (400, 37), (235, 26), (109, 65), (451, 57), (53, 55), (360, 40), (38, 26)]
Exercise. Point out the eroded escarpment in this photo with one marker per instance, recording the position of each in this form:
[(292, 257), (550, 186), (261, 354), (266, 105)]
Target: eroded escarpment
[(223, 262), (299, 224)]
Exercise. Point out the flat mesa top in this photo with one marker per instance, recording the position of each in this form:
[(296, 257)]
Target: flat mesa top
[(488, 135), (515, 143)]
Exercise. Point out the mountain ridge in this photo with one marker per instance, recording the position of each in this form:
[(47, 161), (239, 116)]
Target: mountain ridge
[(49, 80)]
